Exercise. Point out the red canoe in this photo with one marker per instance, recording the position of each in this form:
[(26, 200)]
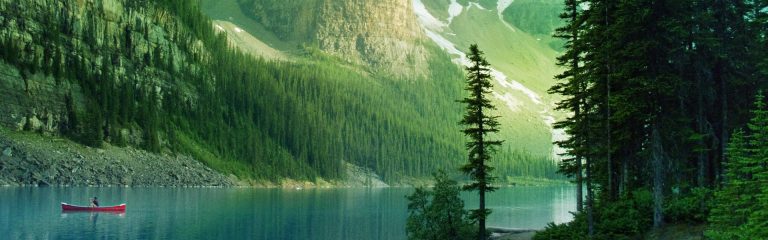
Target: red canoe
[(69, 207)]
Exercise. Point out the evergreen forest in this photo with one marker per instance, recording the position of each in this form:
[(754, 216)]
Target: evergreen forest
[(667, 120)]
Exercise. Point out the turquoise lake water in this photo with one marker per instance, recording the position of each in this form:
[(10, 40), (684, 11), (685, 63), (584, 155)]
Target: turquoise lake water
[(247, 213)]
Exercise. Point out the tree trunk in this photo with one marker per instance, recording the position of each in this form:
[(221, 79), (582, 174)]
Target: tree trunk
[(720, 126), (577, 109), (580, 143), (588, 176), (718, 76), (703, 166), (624, 176), (611, 171), (702, 159), (579, 186), (657, 163), (590, 202), (481, 234)]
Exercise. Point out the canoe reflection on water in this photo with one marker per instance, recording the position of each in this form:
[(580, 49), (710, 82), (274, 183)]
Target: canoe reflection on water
[(92, 217), (67, 213)]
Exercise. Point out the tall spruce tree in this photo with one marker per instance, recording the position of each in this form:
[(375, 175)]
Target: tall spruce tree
[(479, 124), (757, 223), (739, 206), (572, 87), (732, 202)]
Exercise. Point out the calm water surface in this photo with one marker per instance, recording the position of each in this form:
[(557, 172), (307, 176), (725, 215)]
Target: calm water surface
[(245, 213)]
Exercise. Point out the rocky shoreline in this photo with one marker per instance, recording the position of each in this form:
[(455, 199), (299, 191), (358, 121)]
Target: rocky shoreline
[(29, 159), (34, 159)]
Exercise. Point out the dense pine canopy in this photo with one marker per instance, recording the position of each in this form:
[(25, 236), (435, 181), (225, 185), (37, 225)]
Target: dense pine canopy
[(657, 89)]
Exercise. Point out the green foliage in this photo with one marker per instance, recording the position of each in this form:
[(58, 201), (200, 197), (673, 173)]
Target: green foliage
[(72, 124), (689, 208), (537, 17), (479, 125), (564, 231), (652, 112), (439, 213), (86, 126), (116, 137), (626, 218), (93, 131), (739, 210), (516, 163), (734, 201), (573, 88)]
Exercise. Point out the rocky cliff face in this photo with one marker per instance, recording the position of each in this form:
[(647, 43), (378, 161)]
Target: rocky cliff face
[(35, 102), (383, 35), (60, 43), (96, 70)]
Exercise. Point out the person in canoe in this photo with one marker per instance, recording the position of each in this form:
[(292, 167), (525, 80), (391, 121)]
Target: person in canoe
[(94, 202)]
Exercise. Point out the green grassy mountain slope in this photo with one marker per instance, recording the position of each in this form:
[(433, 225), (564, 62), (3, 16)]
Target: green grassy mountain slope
[(524, 63), (518, 55)]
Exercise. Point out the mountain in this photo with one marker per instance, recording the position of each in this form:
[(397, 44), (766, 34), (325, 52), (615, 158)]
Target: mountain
[(268, 90), (521, 57), (516, 34), (384, 36)]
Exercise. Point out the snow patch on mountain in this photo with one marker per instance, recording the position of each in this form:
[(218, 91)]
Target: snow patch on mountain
[(448, 46), (426, 19), (502, 79), (476, 5), (461, 59), (502, 5), (436, 31), (454, 9), (512, 103), (557, 135)]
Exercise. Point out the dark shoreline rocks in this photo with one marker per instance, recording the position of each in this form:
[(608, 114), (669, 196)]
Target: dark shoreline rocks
[(29, 159)]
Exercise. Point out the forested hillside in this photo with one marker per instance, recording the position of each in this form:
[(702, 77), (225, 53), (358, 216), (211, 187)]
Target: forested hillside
[(658, 89), (157, 75)]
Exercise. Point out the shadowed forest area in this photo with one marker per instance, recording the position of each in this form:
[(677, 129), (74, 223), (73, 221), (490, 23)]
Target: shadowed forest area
[(668, 118)]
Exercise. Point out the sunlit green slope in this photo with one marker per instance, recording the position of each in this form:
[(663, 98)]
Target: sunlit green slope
[(525, 67), (523, 58)]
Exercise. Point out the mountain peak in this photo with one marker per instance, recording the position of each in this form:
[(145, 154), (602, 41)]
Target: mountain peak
[(381, 35)]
